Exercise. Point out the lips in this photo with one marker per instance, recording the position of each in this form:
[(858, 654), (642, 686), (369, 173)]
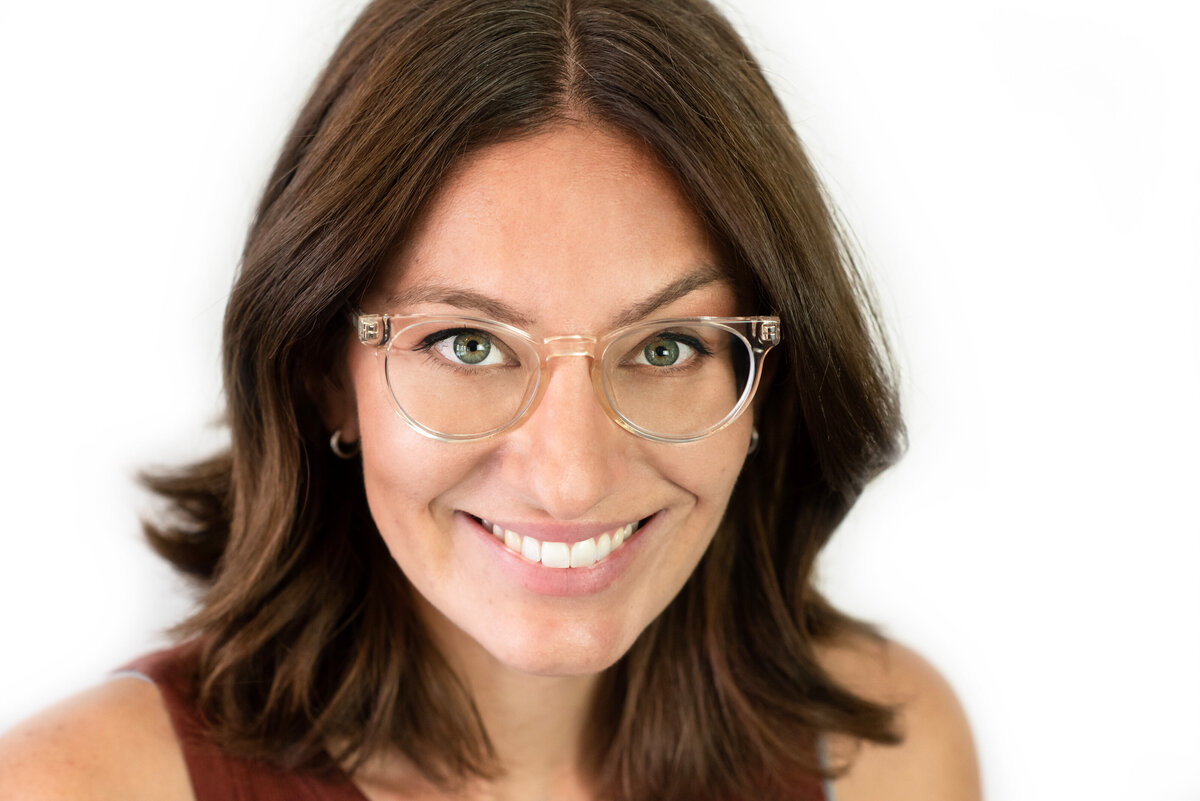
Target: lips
[(563, 555)]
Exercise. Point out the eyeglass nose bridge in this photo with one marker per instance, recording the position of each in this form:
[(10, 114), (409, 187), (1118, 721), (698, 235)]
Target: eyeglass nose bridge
[(568, 345), (564, 346)]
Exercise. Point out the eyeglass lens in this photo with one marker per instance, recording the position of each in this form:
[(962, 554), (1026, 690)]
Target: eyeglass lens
[(470, 379)]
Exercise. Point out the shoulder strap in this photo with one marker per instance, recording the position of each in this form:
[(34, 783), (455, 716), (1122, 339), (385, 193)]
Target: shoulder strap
[(215, 775)]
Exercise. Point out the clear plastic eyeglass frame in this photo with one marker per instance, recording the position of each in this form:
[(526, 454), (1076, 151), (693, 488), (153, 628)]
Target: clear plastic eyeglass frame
[(758, 334)]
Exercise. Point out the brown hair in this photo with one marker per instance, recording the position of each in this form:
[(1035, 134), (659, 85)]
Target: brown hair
[(308, 636)]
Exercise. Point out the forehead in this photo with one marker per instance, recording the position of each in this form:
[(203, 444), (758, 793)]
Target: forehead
[(558, 226)]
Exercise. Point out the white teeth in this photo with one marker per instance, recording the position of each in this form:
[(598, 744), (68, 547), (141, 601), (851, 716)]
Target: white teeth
[(562, 554), (513, 540), (556, 554), (583, 553), (531, 549)]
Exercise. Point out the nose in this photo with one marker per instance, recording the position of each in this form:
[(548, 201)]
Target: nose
[(568, 455)]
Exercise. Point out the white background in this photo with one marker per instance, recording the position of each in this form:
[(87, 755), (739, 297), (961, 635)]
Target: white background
[(1024, 178)]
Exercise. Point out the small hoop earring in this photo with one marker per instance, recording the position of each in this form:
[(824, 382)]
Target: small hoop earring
[(347, 451), (753, 441)]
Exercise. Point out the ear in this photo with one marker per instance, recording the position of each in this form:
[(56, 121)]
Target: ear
[(333, 395)]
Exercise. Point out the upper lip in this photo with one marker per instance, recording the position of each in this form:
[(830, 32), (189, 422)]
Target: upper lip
[(554, 531)]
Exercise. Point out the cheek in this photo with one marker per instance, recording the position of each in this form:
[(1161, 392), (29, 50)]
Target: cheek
[(708, 469), (396, 459), (408, 479), (403, 472)]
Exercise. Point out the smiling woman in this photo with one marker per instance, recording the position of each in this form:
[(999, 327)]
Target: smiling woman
[(566, 230), (548, 377)]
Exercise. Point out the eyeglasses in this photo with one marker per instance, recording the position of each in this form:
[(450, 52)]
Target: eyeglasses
[(459, 379)]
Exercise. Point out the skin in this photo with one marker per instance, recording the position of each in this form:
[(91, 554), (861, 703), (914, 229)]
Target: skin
[(568, 229)]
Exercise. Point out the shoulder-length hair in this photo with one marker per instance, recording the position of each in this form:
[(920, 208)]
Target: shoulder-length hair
[(311, 652)]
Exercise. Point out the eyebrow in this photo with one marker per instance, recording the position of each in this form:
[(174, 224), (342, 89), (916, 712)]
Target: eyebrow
[(498, 310), (672, 292), (463, 299)]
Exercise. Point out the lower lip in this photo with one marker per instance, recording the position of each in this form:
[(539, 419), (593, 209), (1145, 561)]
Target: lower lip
[(569, 581)]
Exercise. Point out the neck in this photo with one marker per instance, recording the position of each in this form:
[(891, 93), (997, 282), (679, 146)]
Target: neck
[(535, 724)]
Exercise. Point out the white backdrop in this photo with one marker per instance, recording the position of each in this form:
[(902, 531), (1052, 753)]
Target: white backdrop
[(1024, 178)]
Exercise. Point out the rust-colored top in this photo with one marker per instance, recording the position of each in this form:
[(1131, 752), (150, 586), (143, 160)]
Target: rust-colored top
[(218, 776)]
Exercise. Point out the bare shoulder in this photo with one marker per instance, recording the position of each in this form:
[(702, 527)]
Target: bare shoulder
[(937, 758), (113, 741)]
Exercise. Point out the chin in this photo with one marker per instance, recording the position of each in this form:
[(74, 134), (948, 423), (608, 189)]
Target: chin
[(561, 648)]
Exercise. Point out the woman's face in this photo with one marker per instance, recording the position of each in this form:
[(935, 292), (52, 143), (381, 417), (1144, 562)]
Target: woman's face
[(568, 229)]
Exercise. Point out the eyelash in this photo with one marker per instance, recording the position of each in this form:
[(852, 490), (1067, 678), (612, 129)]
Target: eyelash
[(684, 339), (427, 344), (700, 352)]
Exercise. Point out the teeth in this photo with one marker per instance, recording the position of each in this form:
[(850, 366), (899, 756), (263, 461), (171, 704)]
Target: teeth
[(583, 553), (556, 554), (562, 554), (531, 549)]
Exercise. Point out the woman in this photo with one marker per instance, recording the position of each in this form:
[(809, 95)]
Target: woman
[(548, 378)]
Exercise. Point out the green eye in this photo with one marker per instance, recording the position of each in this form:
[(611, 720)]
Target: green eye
[(472, 347), (661, 352)]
